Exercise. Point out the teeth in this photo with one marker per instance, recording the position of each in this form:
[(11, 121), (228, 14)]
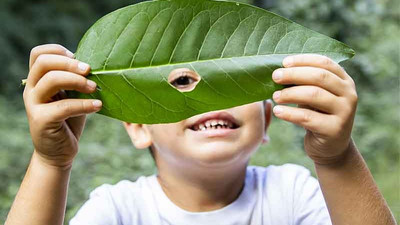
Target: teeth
[(214, 124)]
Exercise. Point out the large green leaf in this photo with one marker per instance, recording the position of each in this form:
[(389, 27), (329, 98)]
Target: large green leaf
[(233, 47)]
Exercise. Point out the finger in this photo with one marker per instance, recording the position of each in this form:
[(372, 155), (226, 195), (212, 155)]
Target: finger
[(310, 76), (55, 81), (45, 63), (305, 107), (315, 60), (68, 108), (312, 96), (313, 121), (55, 49)]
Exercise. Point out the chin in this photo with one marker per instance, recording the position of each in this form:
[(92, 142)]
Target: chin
[(220, 153)]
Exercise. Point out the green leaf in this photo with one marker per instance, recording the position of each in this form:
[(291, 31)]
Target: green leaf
[(234, 48)]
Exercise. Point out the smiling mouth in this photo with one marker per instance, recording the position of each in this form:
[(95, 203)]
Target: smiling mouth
[(214, 124), (215, 121)]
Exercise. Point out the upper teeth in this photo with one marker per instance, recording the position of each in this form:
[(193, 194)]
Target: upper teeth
[(213, 124)]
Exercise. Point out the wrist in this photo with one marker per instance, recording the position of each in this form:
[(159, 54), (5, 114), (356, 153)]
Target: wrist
[(37, 158), (337, 160)]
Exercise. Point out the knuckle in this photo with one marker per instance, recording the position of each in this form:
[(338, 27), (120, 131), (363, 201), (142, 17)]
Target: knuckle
[(346, 107), (326, 61), (341, 126), (305, 117), (42, 59), (34, 51), (298, 59), (84, 107), (79, 82), (288, 74), (353, 97), (70, 64), (315, 93), (65, 107), (27, 94), (82, 82), (352, 83), (51, 76), (323, 77), (352, 91), (283, 95)]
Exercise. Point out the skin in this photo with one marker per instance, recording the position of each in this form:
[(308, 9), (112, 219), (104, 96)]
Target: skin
[(186, 170), (198, 173)]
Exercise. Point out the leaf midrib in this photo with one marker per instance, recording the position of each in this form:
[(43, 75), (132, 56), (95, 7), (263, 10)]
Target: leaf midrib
[(205, 60)]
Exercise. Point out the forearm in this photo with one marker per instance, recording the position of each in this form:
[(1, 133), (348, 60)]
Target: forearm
[(41, 198), (351, 194)]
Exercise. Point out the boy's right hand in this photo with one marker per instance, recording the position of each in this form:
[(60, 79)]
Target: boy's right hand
[(56, 123)]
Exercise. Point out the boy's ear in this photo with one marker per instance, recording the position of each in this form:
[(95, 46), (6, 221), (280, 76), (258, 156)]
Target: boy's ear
[(268, 116), (139, 134)]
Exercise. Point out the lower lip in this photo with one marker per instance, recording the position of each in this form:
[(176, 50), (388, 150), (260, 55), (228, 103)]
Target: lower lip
[(213, 133)]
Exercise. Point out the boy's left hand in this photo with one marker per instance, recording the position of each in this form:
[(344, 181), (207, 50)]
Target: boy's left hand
[(327, 100)]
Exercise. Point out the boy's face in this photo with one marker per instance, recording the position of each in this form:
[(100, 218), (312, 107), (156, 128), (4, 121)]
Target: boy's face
[(211, 139)]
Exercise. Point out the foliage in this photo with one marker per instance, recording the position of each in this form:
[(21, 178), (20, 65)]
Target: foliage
[(233, 47), (106, 154)]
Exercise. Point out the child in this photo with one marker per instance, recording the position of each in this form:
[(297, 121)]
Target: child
[(203, 173)]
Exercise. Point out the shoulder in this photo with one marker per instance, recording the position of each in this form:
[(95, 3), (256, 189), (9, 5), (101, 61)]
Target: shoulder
[(288, 178), (125, 195), (288, 168), (113, 204), (291, 189), (282, 174), (123, 187)]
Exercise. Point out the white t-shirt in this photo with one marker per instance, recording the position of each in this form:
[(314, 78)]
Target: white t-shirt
[(275, 195)]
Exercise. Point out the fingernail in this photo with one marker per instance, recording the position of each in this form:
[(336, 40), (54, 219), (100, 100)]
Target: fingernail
[(277, 75), (91, 84), (83, 66), (276, 95), (97, 103), (277, 110), (69, 53), (288, 61)]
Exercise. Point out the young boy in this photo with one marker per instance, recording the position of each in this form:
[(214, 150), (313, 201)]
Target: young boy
[(203, 173)]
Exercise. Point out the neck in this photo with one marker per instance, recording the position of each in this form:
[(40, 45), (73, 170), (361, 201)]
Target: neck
[(202, 189)]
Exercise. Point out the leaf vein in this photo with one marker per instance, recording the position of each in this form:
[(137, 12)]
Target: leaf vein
[(111, 90), (234, 32), (206, 82), (116, 41)]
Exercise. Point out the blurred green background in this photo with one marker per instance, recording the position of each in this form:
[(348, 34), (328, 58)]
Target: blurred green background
[(106, 153)]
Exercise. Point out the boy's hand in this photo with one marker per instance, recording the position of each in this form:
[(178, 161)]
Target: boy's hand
[(56, 123), (327, 100)]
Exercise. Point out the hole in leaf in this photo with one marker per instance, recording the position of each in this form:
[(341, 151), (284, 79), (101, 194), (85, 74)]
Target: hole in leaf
[(183, 79)]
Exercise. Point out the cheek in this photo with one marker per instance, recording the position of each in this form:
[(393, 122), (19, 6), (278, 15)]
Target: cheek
[(167, 138), (254, 128), (163, 134)]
